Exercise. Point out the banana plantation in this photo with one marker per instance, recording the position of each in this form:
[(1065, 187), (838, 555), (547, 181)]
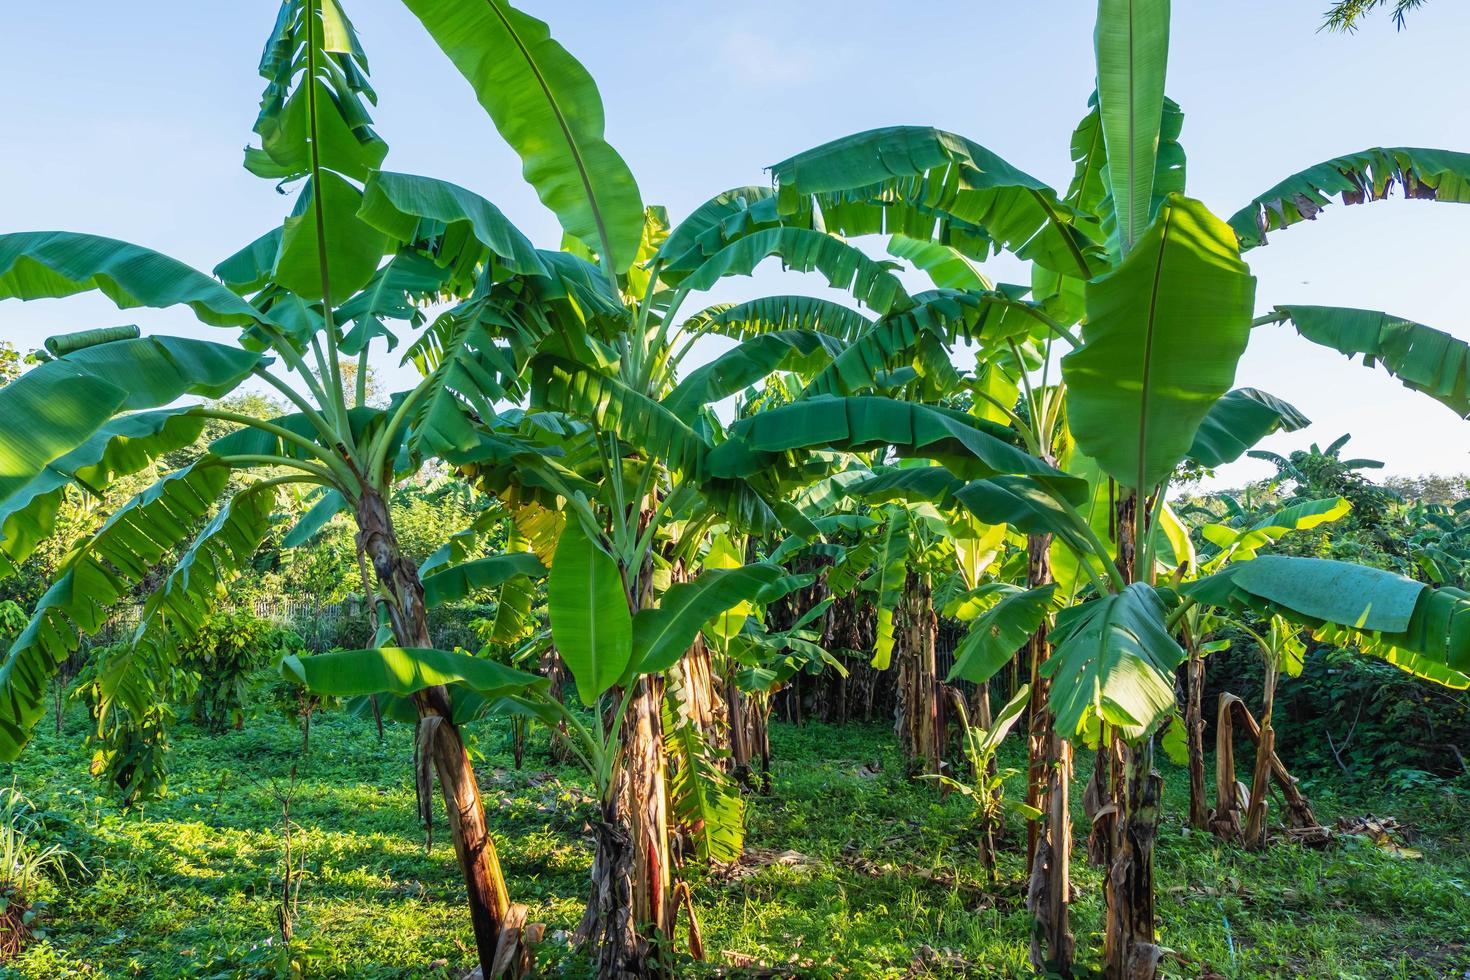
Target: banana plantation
[(456, 603)]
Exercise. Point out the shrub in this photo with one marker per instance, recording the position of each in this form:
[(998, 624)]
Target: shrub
[(226, 654)]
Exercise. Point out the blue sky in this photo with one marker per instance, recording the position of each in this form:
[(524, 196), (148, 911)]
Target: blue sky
[(128, 120)]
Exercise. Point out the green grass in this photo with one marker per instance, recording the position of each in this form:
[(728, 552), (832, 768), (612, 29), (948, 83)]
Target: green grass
[(885, 881)]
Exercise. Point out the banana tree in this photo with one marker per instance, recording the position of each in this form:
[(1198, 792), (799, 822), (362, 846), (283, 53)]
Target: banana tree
[(1167, 309), (103, 406), (1238, 539)]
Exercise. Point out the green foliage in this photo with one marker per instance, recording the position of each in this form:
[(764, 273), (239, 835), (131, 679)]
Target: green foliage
[(842, 903), (227, 653)]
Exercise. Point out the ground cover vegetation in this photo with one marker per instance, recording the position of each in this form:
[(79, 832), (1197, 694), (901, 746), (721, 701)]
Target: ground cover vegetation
[(578, 585)]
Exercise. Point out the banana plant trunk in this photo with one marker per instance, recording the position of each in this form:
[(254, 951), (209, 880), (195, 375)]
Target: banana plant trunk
[(632, 903), (920, 719), (1255, 814), (497, 942), (1194, 729), (1049, 775), (1123, 800)]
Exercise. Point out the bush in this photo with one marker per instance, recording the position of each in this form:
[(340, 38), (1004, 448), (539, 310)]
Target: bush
[(226, 654)]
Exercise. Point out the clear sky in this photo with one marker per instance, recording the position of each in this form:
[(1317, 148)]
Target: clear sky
[(129, 119)]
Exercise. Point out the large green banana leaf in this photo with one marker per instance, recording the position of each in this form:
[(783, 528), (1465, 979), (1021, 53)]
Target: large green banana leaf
[(860, 423), (701, 228), (1433, 175), (933, 484), (1423, 630), (1163, 334), (177, 611), (125, 445), (939, 317), (1242, 543), (411, 208), (931, 185), (999, 632), (45, 264), (546, 106), (398, 291), (404, 671), (468, 369), (767, 314), (351, 247), (57, 407), (458, 581), (588, 606), (584, 392), (318, 516), (845, 266), (1240, 419), (662, 634), (1423, 358), (99, 571), (947, 267), (801, 351), (1113, 662), (1132, 46)]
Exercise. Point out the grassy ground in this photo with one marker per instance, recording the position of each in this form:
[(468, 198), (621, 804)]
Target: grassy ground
[(882, 880)]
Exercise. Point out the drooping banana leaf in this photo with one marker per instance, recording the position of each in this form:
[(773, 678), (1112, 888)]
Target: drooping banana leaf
[(469, 370), (939, 318), (844, 266), (59, 406), (767, 314), (1237, 421), (802, 351), (933, 484), (584, 392), (546, 106), (1242, 543), (663, 633), (47, 264), (403, 671), (1113, 661), (1422, 358), (704, 223), (329, 505), (947, 267), (410, 208), (100, 570), (123, 446), (931, 185), (1371, 175), (860, 423), (1424, 630), (999, 632), (177, 611), (458, 581)]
